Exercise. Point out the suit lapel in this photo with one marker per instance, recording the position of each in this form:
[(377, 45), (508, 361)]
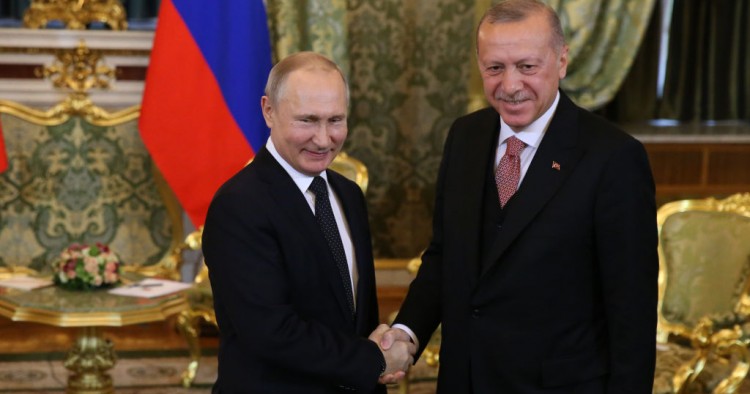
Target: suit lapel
[(301, 217), (542, 180)]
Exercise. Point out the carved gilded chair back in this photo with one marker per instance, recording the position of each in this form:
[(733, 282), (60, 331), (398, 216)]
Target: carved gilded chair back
[(73, 179), (351, 168), (81, 174), (704, 253)]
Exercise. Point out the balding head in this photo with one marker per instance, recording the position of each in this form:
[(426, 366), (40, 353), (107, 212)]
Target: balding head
[(310, 61)]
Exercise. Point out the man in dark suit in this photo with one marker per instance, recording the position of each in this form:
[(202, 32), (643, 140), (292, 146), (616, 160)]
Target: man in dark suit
[(543, 264), (287, 244)]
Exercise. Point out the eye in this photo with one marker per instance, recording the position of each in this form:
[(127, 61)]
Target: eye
[(494, 69), (527, 68), (306, 119)]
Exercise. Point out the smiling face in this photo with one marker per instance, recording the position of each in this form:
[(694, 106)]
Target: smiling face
[(520, 67), (308, 121)]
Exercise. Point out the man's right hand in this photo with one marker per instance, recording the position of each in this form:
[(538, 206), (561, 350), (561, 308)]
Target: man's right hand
[(398, 351)]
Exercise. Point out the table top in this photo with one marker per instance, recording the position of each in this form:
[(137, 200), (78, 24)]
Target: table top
[(71, 308)]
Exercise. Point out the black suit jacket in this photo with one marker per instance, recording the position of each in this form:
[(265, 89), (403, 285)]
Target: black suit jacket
[(283, 319), (566, 301)]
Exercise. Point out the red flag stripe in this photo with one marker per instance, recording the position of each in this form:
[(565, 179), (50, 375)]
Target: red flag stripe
[(185, 123)]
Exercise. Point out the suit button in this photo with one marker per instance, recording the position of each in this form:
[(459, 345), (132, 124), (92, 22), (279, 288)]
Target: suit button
[(475, 313)]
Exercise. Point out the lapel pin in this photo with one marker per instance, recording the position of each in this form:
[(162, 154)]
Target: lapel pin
[(555, 165)]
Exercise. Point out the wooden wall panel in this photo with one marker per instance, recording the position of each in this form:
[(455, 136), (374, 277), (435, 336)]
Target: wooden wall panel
[(696, 170)]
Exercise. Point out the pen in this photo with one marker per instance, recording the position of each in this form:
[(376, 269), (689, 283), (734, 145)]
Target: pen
[(145, 285)]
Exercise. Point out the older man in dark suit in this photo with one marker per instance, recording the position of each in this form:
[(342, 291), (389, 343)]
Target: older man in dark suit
[(543, 263), (288, 248)]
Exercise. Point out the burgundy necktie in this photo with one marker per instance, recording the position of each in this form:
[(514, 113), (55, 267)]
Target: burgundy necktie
[(509, 170)]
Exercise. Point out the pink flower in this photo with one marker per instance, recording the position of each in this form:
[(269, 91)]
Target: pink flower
[(110, 277), (101, 268), (91, 265)]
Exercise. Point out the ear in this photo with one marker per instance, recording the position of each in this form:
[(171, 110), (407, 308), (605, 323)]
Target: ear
[(267, 109), (563, 62)]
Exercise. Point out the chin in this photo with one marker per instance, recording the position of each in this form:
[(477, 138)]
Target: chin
[(315, 169)]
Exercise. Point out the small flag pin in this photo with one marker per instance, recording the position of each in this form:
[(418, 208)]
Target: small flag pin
[(555, 165)]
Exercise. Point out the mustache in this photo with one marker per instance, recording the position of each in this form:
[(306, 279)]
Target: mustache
[(512, 98)]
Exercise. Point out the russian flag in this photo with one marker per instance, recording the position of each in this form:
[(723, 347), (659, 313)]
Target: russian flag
[(201, 118)]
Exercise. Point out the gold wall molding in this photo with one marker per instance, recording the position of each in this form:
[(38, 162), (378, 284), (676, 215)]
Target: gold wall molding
[(123, 50), (80, 69), (76, 71), (75, 14), (52, 51)]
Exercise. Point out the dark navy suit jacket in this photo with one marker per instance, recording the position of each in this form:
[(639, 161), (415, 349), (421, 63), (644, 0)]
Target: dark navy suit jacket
[(563, 300), (283, 319)]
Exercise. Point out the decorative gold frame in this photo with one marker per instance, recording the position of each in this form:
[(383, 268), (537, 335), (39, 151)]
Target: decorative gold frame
[(79, 70), (703, 337), (76, 14), (351, 168)]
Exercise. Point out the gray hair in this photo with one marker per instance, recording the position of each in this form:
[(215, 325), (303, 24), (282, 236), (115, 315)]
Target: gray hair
[(298, 61), (518, 10)]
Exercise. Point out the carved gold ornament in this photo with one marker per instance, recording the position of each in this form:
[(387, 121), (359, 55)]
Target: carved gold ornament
[(75, 14), (78, 70)]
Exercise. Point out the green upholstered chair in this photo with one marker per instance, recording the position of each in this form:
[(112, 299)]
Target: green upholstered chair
[(200, 295), (704, 253), (73, 179)]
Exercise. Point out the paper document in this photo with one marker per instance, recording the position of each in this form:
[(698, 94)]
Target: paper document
[(149, 288), (25, 282)]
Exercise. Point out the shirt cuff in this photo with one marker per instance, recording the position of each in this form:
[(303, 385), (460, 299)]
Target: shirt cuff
[(408, 331)]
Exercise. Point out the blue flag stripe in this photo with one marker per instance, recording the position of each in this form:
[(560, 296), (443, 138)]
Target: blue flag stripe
[(233, 37)]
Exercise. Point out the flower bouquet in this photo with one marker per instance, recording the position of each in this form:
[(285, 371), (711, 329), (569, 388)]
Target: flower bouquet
[(84, 267)]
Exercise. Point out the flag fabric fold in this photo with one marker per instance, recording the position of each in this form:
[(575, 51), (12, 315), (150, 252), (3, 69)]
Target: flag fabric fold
[(200, 117)]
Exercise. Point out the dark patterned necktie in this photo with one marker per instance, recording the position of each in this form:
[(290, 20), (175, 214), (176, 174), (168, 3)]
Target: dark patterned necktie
[(327, 222), (509, 170)]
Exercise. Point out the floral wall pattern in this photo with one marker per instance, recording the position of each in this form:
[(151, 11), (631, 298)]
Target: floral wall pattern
[(412, 71), (409, 82), (79, 183)]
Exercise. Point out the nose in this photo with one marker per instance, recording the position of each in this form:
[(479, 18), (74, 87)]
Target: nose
[(511, 82), (321, 137)]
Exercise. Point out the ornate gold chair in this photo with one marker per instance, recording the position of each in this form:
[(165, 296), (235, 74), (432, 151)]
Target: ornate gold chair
[(704, 253), (200, 295), (80, 174)]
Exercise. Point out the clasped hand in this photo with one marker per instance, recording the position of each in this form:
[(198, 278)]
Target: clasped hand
[(398, 351)]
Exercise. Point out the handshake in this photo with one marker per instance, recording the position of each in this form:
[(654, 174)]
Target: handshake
[(398, 351)]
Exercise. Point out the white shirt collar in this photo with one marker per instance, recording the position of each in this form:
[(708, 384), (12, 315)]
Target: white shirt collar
[(533, 133), (302, 181)]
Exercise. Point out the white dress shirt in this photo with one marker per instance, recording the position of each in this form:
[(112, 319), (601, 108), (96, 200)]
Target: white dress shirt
[(531, 136)]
